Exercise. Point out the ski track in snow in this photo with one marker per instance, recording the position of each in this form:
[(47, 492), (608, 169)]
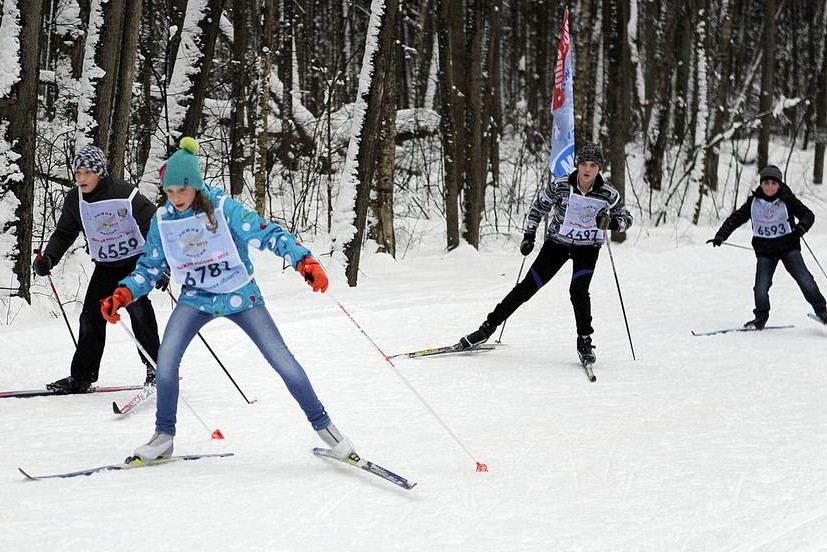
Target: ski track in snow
[(703, 443)]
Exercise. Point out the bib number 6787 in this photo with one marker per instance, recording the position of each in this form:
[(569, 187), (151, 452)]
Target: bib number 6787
[(199, 274)]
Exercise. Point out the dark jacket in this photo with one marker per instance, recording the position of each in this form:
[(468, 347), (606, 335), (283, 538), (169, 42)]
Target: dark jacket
[(555, 197), (798, 215), (69, 224)]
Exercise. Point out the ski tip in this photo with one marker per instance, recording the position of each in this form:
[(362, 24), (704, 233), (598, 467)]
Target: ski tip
[(26, 475), (115, 408)]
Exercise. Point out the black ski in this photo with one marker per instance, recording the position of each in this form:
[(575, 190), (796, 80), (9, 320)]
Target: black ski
[(25, 393), (130, 463), (448, 349), (728, 330), (366, 465)]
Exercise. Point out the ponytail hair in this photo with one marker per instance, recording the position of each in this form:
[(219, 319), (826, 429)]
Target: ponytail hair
[(202, 204)]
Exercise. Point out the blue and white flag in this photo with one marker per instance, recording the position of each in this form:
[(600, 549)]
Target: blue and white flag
[(561, 154)]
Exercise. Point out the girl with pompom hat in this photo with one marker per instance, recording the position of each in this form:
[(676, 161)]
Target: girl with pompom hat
[(202, 237)]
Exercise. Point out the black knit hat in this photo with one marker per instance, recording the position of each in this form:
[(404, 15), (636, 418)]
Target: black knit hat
[(590, 152), (771, 172), (90, 158)]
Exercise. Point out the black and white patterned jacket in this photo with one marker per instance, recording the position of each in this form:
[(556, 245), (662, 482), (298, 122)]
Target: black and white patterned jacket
[(555, 197)]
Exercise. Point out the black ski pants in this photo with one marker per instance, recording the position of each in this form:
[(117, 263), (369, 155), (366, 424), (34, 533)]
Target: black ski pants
[(92, 333), (552, 257)]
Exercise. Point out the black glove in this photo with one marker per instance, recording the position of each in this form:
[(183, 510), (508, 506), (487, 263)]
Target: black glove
[(716, 241), (42, 265), (163, 281), (603, 219), (527, 244), (799, 230)]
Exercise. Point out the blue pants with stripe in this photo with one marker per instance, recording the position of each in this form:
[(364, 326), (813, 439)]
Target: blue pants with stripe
[(551, 259)]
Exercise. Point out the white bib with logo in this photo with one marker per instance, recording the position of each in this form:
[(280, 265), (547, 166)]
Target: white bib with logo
[(579, 225), (770, 219), (111, 231), (201, 258)]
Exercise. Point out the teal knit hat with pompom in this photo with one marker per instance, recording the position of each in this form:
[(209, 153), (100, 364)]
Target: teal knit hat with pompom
[(181, 169)]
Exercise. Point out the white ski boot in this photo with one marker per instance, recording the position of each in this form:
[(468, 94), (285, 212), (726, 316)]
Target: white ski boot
[(159, 446), (339, 444)]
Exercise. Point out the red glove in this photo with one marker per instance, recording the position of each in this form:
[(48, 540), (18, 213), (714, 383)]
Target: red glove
[(109, 306), (313, 273)]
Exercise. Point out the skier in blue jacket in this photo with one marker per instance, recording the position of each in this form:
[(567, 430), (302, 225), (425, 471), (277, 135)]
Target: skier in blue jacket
[(202, 237)]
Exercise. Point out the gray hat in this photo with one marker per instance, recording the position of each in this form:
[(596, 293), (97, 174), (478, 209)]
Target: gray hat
[(590, 152), (771, 172), (90, 158)]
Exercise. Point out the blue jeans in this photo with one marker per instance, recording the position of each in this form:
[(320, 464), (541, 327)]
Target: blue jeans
[(794, 263), (184, 324)]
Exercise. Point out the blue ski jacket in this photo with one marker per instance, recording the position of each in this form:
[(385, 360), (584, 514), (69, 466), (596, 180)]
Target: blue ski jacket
[(247, 227)]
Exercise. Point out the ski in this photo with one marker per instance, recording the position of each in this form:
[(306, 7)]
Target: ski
[(587, 366), (366, 465), (145, 393), (25, 393), (130, 463), (448, 349), (728, 330), (816, 318)]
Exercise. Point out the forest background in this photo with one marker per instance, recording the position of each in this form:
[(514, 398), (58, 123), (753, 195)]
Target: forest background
[(350, 122)]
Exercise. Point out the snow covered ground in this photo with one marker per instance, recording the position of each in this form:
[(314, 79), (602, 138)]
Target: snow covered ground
[(702, 443)]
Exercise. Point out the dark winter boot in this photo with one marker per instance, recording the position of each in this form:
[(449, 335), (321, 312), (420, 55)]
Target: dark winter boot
[(822, 316), (478, 337), (757, 323), (585, 349), (69, 386)]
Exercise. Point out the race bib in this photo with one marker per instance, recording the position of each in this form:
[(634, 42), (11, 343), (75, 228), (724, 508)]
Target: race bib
[(111, 231), (770, 219), (201, 258), (579, 225)]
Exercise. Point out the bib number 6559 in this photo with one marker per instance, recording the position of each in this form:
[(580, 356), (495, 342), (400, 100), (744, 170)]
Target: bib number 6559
[(117, 250)]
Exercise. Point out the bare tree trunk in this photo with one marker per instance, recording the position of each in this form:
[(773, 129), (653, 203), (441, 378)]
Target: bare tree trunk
[(821, 115), (265, 61), (475, 161), (148, 77), (240, 72), (126, 79), (767, 82), (493, 101), (585, 68), (619, 63), (108, 58), (655, 139), (209, 32), (381, 230), (448, 129), (368, 147), (718, 79), (19, 108)]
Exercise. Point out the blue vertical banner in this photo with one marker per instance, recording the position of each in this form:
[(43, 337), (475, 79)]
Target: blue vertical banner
[(561, 154)]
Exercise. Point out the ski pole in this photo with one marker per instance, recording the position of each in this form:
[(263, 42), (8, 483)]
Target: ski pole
[(39, 255), (480, 466), (519, 274), (216, 434), (622, 307), (207, 345), (736, 245), (814, 256)]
